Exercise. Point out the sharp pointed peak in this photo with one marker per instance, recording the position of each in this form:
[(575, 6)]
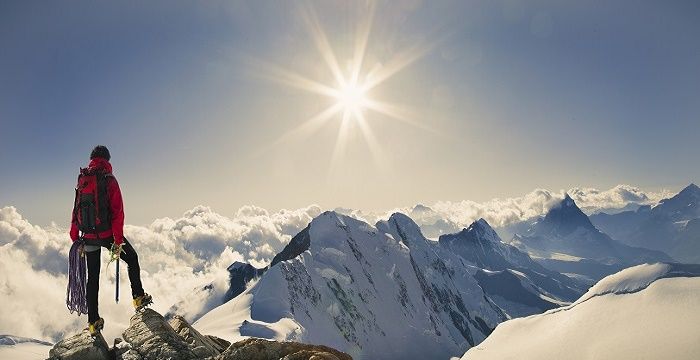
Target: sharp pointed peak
[(331, 218), (479, 229), (327, 215), (691, 190), (691, 187), (568, 201), (237, 265), (399, 215), (404, 222), (565, 217), (481, 223), (568, 204)]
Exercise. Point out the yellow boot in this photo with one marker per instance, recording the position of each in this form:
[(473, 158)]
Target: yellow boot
[(95, 327), (142, 301)]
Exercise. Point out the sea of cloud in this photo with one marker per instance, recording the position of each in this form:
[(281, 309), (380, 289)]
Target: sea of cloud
[(180, 256), (446, 217), (176, 257)]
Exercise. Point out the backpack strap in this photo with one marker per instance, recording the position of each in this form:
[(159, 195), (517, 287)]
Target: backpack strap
[(104, 212), (74, 219)]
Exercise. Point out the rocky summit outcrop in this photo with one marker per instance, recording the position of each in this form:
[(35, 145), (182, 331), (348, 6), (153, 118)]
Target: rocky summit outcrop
[(150, 337), (259, 349), (81, 346)]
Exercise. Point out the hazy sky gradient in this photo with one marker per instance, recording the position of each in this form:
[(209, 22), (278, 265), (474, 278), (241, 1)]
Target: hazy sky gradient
[(545, 95)]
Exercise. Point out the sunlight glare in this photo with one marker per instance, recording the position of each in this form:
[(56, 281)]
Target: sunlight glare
[(352, 97), (350, 93)]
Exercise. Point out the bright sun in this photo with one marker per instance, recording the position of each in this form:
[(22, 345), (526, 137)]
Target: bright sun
[(352, 98), (352, 84)]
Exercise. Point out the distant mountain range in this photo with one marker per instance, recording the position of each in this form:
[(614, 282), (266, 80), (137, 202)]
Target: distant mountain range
[(566, 240), (507, 273), (672, 226), (385, 290), (347, 284)]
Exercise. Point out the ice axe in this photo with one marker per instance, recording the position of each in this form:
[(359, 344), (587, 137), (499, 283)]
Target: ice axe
[(116, 296), (115, 252)]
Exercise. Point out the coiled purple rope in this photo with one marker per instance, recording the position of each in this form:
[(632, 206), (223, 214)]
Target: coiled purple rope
[(76, 298)]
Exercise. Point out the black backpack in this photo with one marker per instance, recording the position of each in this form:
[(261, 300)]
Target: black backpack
[(91, 209)]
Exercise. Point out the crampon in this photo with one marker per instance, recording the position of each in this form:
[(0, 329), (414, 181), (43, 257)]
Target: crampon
[(142, 302), (94, 328)]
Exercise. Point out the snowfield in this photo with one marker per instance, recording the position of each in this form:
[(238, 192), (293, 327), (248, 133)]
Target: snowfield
[(21, 348), (24, 351), (643, 312)]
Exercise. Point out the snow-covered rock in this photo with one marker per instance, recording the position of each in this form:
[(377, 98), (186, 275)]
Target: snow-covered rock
[(643, 312)]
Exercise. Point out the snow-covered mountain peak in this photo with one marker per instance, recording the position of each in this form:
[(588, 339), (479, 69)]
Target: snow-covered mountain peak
[(691, 188), (351, 283), (479, 244), (565, 217), (330, 231), (401, 226), (689, 194), (482, 222), (567, 202), (328, 218), (405, 222), (479, 231), (683, 206)]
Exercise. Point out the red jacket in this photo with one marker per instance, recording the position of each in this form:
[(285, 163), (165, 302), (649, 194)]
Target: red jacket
[(115, 203)]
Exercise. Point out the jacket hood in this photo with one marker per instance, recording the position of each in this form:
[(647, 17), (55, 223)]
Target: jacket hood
[(100, 164)]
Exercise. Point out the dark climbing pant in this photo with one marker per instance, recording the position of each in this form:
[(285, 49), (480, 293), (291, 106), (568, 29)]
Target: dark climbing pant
[(93, 266)]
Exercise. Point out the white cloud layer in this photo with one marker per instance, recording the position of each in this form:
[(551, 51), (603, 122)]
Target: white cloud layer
[(592, 200), (179, 255), (176, 256), (448, 216)]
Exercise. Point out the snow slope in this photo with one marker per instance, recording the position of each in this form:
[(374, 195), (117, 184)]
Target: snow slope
[(643, 312), (365, 292), (21, 348)]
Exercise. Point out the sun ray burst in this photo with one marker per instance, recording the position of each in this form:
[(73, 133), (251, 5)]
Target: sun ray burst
[(350, 91)]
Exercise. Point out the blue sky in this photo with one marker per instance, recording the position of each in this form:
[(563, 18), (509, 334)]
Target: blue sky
[(510, 97)]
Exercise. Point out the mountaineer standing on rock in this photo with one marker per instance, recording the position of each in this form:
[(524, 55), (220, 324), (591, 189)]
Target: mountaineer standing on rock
[(98, 221)]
